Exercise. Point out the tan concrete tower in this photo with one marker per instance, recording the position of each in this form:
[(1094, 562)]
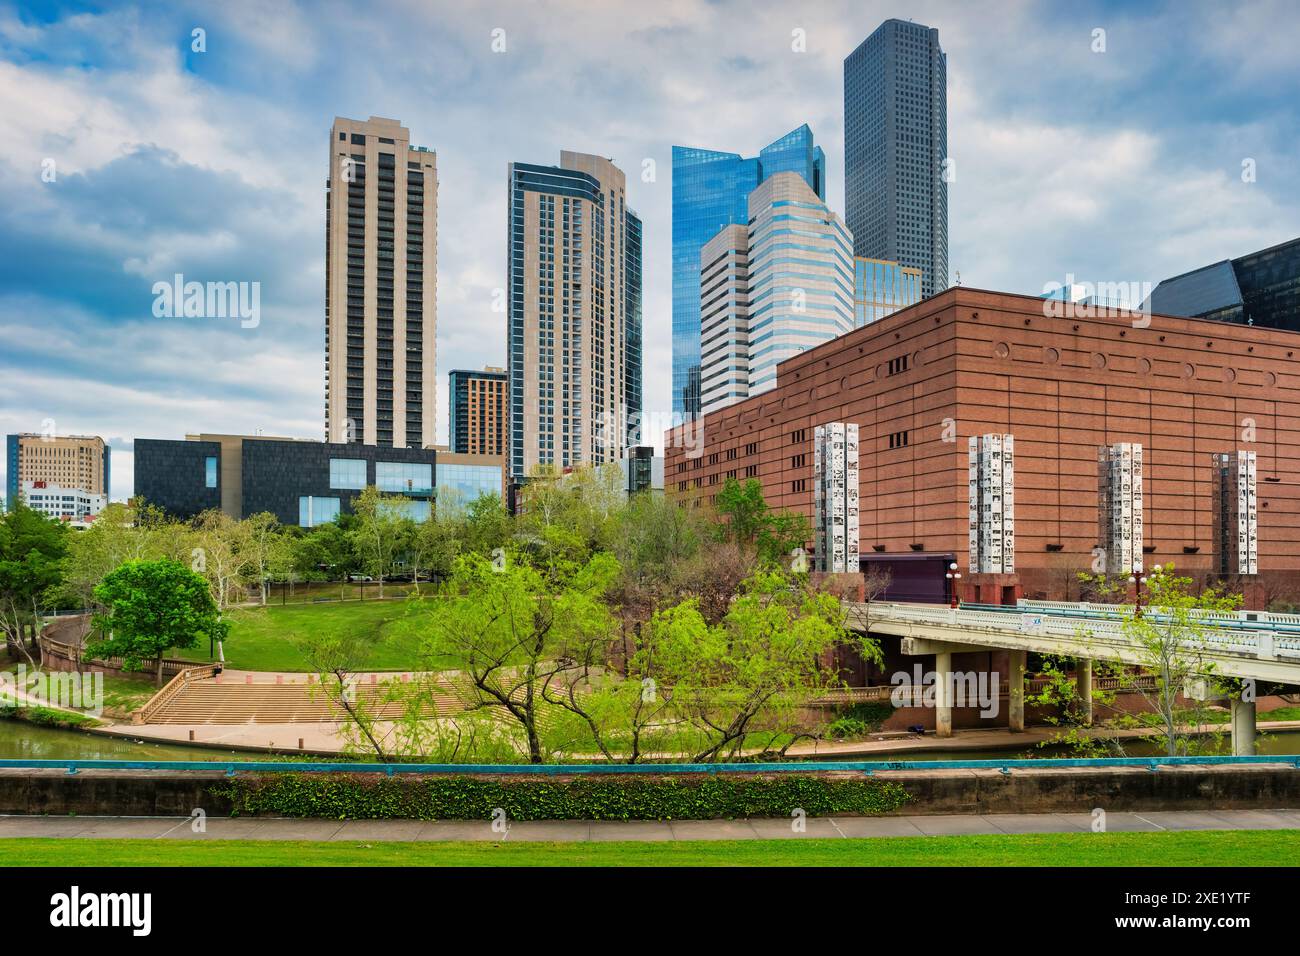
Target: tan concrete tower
[(381, 277)]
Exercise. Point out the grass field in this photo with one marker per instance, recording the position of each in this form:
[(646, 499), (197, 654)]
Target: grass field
[(263, 639), (1188, 848)]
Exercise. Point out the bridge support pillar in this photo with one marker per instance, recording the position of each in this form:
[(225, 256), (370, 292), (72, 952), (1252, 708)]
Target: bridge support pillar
[(1016, 691), (1243, 727), (1083, 688), (943, 694)]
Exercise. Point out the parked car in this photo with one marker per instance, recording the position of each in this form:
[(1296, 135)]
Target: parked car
[(360, 578)]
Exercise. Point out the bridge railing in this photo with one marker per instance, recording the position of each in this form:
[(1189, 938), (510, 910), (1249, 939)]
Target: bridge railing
[(1008, 765), (1255, 641)]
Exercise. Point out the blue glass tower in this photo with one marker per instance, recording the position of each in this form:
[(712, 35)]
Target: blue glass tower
[(711, 190)]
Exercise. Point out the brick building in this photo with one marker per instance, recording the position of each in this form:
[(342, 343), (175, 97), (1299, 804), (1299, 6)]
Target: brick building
[(1064, 381)]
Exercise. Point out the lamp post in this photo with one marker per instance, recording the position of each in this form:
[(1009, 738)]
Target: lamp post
[(953, 576), (1137, 579)]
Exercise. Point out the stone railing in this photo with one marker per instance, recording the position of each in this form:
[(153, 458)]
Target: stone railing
[(171, 689)]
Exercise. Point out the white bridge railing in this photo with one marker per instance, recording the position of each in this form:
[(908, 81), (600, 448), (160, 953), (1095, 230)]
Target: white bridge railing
[(1106, 627)]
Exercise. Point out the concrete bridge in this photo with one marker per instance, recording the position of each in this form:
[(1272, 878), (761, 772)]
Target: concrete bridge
[(1243, 644)]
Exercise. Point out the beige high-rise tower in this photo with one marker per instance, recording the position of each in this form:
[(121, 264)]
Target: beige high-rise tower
[(381, 277), (574, 320)]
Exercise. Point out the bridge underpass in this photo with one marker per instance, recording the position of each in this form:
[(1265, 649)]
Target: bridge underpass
[(1255, 645)]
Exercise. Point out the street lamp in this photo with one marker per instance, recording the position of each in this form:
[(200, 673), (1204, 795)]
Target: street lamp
[(953, 576), (1137, 579)]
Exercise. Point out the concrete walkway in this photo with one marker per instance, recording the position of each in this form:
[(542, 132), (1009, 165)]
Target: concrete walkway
[(580, 831), (322, 738)]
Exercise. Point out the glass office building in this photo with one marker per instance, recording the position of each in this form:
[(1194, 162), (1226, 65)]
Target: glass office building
[(881, 288), (710, 191), (1262, 288), (895, 149)]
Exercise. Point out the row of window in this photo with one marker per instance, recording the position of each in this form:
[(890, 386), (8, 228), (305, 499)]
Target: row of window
[(349, 474)]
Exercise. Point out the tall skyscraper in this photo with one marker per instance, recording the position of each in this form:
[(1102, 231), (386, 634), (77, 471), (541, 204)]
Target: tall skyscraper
[(478, 411), (574, 294), (711, 190), (895, 148), (772, 289), (1262, 288), (75, 462), (381, 276)]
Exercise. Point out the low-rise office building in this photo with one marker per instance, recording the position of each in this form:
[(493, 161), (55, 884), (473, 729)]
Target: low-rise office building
[(301, 482), (71, 505), (1119, 423)]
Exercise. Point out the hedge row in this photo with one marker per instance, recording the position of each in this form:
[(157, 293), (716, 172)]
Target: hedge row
[(702, 797)]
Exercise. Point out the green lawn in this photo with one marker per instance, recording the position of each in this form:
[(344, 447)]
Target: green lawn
[(1191, 848), (262, 639)]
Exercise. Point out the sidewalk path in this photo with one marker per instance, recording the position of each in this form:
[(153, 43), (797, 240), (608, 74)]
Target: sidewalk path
[(322, 737), (581, 831)]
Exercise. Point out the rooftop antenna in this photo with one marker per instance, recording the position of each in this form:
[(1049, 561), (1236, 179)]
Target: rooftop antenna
[(959, 277)]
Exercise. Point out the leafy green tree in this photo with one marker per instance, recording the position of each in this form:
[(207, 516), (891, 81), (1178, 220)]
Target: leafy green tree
[(260, 535), (511, 634), (32, 549), (487, 525), (753, 674), (380, 532), (748, 521), (153, 606)]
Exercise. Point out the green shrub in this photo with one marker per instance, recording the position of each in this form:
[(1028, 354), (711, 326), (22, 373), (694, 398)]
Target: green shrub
[(859, 720), (596, 797), (47, 717)]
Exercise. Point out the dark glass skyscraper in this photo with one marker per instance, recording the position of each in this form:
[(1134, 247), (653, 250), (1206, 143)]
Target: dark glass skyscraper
[(711, 190), (895, 145), (1262, 288)]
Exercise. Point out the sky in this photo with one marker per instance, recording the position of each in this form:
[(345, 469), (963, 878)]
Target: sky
[(127, 156)]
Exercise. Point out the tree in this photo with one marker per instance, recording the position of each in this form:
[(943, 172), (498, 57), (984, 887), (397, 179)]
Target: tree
[(259, 536), (121, 532), (220, 553), (748, 521), (1171, 634), (32, 548), (487, 525), (509, 633), (756, 671), (380, 532), (153, 606)]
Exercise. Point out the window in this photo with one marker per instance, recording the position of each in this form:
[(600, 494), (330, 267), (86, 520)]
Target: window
[(348, 473), (897, 365), (798, 435), (799, 485), (210, 471), (898, 440), (316, 511), (751, 448), (415, 510), (411, 478), (751, 471), (798, 461)]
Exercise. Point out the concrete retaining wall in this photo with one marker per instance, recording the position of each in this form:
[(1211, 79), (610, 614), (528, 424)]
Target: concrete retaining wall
[(1077, 790)]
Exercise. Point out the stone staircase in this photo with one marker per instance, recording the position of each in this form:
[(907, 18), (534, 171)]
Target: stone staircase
[(208, 701)]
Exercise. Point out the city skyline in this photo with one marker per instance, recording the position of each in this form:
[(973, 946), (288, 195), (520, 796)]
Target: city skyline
[(163, 164)]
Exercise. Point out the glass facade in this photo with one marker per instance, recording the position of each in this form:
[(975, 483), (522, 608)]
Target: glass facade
[(1262, 288), (416, 509), (468, 482), (881, 288), (313, 511), (210, 471), (348, 473), (800, 277), (711, 190), (895, 150), (405, 477)]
